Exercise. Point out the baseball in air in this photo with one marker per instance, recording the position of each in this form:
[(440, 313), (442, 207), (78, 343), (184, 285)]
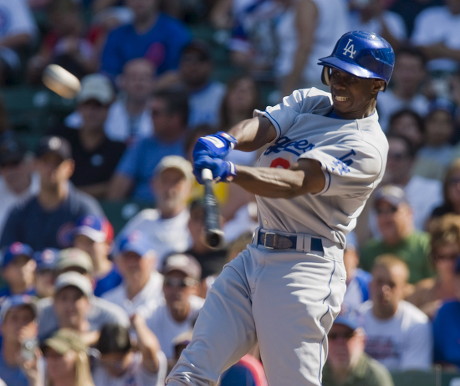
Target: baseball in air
[(61, 81)]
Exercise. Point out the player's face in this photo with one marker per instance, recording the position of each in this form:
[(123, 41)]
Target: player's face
[(353, 97)]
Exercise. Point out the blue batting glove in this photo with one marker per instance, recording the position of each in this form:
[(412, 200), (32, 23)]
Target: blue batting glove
[(215, 146), (221, 170)]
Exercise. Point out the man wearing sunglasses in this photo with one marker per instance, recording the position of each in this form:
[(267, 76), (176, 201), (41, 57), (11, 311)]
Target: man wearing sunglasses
[(347, 363), (178, 313)]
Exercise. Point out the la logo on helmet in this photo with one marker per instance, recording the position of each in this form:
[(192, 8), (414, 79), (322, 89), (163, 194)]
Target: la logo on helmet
[(349, 49)]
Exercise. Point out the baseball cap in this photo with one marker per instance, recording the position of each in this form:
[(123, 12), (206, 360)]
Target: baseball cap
[(94, 227), (47, 259), (441, 104), (134, 242), (97, 87), (175, 162), (184, 263), (11, 151), (348, 318), (74, 258), (14, 301), (64, 340), (392, 194), (74, 279), (54, 144), (14, 250)]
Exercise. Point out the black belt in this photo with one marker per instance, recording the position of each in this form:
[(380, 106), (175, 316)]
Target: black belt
[(273, 240)]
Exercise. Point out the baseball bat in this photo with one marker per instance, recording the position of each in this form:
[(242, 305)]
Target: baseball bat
[(214, 235)]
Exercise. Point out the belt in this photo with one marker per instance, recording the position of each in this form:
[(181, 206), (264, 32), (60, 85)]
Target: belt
[(300, 242)]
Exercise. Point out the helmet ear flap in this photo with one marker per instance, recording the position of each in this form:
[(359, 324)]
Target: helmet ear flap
[(325, 76)]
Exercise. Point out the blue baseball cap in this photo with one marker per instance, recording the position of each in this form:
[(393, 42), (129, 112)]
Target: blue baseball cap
[(96, 228), (47, 259), (134, 242), (14, 301), (348, 318), (14, 250)]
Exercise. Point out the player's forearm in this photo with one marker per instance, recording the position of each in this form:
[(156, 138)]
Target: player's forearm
[(280, 183), (253, 133)]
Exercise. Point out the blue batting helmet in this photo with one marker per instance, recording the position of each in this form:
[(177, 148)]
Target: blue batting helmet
[(360, 53)]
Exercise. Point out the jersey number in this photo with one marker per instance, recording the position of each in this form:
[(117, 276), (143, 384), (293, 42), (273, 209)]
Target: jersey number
[(280, 163)]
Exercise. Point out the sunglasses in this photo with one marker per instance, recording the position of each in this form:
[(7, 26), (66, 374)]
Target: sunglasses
[(179, 283), (345, 335), (382, 211)]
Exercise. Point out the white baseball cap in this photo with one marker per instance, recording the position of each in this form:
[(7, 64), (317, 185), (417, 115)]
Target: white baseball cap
[(96, 86)]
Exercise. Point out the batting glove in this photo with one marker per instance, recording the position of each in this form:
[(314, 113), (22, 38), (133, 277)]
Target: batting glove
[(221, 170), (215, 146)]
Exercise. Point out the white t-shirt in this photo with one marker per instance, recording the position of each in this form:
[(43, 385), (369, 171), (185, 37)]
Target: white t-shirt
[(135, 376), (205, 105), (437, 25), (403, 342), (166, 328), (150, 297), (164, 235)]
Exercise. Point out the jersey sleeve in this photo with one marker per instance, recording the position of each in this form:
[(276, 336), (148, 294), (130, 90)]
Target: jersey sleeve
[(284, 114), (349, 168)]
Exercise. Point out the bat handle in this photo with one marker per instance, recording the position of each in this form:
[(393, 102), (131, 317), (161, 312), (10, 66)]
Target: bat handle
[(206, 175)]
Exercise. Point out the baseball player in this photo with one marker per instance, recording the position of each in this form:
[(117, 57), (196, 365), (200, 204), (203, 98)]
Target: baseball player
[(322, 156)]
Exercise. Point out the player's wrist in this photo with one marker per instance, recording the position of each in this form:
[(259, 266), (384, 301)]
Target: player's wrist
[(230, 139)]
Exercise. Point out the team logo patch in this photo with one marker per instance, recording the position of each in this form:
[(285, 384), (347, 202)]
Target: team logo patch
[(349, 49)]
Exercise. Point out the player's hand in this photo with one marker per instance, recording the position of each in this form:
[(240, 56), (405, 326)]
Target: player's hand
[(221, 170), (215, 146)]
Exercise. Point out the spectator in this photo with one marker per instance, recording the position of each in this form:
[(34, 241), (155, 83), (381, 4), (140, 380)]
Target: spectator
[(211, 260), (125, 360), (17, 180), (347, 363), (409, 124), (66, 43), (74, 306), (406, 86), (18, 270), (45, 219), (94, 235), (95, 155), (396, 225), (165, 227), (17, 37), (450, 192), (152, 35), (423, 194), (374, 16), (398, 333), (439, 44), (430, 293), (140, 290), (67, 359), (195, 78), (437, 151), (45, 272), (445, 328), (252, 40), (178, 313), (357, 279), (239, 103), (75, 260), (20, 362), (134, 172), (317, 26), (129, 117)]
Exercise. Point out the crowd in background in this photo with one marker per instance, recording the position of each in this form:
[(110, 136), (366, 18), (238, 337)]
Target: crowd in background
[(83, 302)]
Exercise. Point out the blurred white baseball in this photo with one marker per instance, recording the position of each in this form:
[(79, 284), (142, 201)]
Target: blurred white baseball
[(61, 81)]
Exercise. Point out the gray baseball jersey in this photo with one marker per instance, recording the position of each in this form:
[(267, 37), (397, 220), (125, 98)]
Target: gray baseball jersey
[(352, 154)]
